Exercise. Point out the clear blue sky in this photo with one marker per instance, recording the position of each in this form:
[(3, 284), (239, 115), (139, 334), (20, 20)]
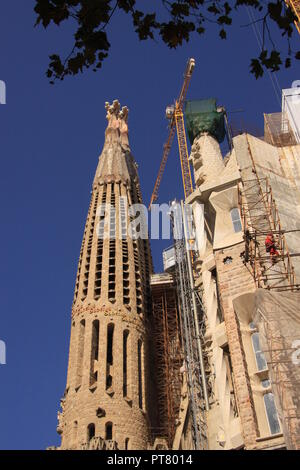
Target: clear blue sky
[(50, 139)]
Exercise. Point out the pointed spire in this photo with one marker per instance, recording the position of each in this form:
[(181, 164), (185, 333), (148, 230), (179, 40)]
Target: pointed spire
[(117, 128), (116, 162)]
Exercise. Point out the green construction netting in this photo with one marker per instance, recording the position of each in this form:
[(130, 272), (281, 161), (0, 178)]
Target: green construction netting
[(202, 116)]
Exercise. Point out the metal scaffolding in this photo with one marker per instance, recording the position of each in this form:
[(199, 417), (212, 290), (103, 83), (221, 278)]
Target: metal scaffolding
[(192, 317), (278, 130), (260, 217), (274, 272), (168, 354)]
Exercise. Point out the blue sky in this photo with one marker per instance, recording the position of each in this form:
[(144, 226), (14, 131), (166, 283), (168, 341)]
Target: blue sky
[(50, 140)]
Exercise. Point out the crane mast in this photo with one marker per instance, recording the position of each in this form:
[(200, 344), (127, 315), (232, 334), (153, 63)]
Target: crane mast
[(175, 115)]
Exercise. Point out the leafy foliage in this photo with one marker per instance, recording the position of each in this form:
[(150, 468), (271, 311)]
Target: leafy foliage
[(185, 17)]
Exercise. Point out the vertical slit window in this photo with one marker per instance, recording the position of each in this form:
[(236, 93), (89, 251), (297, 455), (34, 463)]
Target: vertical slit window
[(100, 240), (80, 352), (125, 260), (125, 363), (94, 351), (112, 248), (108, 431), (90, 431), (140, 377), (109, 355), (89, 250), (137, 278)]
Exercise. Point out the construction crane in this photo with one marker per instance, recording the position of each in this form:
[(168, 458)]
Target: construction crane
[(295, 7), (175, 114)]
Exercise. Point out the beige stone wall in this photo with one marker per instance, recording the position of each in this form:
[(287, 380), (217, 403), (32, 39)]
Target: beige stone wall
[(234, 279), (82, 402)]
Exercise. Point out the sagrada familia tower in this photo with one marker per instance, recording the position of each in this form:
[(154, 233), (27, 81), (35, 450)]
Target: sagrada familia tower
[(105, 399)]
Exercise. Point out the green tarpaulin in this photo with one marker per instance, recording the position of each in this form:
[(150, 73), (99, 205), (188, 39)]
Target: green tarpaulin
[(202, 116)]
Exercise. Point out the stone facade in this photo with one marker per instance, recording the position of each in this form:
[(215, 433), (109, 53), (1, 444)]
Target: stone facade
[(234, 279), (237, 417)]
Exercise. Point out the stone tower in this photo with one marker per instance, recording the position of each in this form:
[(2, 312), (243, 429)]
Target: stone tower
[(105, 405)]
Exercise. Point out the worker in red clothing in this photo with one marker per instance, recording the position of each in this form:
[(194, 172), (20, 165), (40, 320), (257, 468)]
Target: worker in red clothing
[(271, 247)]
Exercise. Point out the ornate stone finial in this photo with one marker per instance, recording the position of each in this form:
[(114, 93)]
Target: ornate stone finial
[(117, 128)]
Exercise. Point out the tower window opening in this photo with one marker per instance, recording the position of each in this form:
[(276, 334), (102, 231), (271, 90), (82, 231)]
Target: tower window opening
[(100, 235), (108, 431), (127, 443), (90, 431), (112, 267), (89, 247), (140, 378), (236, 219), (94, 351), (110, 334), (125, 362), (109, 355)]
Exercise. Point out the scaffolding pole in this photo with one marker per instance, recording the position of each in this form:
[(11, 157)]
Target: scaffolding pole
[(192, 324), (168, 356), (260, 217)]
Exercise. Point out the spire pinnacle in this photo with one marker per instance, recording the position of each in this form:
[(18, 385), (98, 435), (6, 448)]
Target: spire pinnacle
[(117, 128)]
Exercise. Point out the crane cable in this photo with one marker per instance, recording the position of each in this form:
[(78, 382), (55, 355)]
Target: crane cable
[(273, 78)]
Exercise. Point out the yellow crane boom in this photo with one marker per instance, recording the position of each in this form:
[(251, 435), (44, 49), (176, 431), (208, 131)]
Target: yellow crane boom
[(175, 114)]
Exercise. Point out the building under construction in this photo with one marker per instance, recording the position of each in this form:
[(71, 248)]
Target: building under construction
[(205, 355), (238, 295)]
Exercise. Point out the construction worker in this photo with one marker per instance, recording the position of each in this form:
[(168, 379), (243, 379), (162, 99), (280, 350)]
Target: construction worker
[(271, 247)]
